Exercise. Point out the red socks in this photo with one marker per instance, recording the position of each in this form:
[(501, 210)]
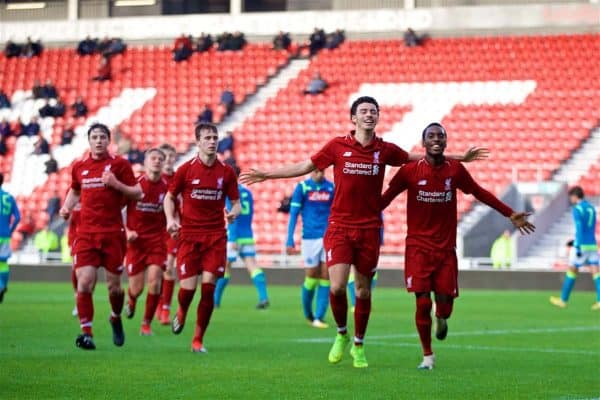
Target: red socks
[(339, 309), (423, 320), (185, 297), (443, 310), (362, 311), (116, 302), (85, 309), (167, 293), (205, 309), (151, 303)]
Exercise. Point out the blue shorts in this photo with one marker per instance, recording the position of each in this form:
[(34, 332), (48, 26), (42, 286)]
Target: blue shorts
[(242, 251), (587, 257)]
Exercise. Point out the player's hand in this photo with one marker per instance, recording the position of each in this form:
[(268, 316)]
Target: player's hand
[(64, 213), (519, 220), (109, 179), (476, 154), (131, 235), (231, 217), (571, 243), (290, 251), (173, 228), (254, 176)]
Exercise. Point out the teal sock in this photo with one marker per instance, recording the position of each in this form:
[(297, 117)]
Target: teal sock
[(568, 286), (351, 292), (308, 293), (220, 288), (3, 274), (597, 283), (260, 283), (374, 280), (322, 299)]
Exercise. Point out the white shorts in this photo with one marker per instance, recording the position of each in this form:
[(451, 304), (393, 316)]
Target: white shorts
[(312, 252), (589, 257), (243, 251)]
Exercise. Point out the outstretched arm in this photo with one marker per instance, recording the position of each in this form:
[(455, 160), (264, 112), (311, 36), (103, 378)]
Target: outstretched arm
[(289, 171), (473, 154)]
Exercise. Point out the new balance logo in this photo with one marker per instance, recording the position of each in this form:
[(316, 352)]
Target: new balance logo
[(182, 269), (195, 181), (347, 154), (85, 172), (422, 182)]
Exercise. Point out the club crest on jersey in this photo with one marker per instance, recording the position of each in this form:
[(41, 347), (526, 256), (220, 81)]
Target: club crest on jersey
[(422, 182), (107, 168), (220, 183), (161, 197), (376, 157), (85, 172), (448, 184), (347, 154)]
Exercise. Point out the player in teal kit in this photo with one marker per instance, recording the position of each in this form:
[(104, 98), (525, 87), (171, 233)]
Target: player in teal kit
[(240, 243), (584, 250), (312, 200), (9, 219)]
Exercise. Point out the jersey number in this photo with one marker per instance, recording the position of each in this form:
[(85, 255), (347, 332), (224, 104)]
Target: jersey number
[(6, 205), (245, 207), (590, 217)]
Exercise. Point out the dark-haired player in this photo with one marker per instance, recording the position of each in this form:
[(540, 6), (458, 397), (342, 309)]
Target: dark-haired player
[(146, 247), (100, 182), (203, 183), (352, 236), (430, 257)]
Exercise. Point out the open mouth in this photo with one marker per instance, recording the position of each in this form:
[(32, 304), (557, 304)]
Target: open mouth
[(436, 147)]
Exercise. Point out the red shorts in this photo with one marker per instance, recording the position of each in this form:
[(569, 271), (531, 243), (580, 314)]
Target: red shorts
[(144, 252), (100, 250), (431, 271), (202, 252), (172, 245), (359, 247)]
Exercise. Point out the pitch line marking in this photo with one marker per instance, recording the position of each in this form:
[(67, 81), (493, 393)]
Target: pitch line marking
[(494, 348)]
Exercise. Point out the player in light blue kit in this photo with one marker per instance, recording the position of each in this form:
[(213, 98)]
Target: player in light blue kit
[(584, 250), (240, 243), (9, 219), (312, 199)]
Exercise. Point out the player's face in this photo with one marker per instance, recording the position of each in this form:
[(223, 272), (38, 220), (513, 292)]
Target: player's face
[(317, 175), (434, 141), (99, 142), (207, 144), (154, 162), (366, 116), (573, 199), (170, 158)]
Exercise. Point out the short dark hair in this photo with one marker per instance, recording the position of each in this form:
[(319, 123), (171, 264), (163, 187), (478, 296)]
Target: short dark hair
[(204, 126), (359, 101), (1, 178), (98, 125), (576, 191), (430, 125), (167, 147), (156, 149)]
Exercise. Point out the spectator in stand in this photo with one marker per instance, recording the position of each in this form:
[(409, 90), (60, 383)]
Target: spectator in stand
[(67, 135), (238, 41), (184, 40), (225, 147), (282, 41), (334, 39), (135, 155), (182, 50), (41, 146), (53, 108), (31, 48), (51, 166), (87, 46), (53, 206), (317, 85), (46, 110), (49, 90), (117, 46), (12, 49), (317, 41), (5, 129), (38, 90), (103, 45), (26, 227), (79, 107), (205, 42), (223, 41), (104, 69), (3, 147), (206, 115), (4, 100), (411, 39), (227, 100), (46, 240), (31, 129)]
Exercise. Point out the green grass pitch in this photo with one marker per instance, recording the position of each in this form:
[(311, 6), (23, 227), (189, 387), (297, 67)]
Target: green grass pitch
[(501, 345)]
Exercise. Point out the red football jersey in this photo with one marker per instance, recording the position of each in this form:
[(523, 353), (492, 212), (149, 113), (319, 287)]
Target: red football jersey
[(146, 216), (100, 205), (358, 174), (203, 190), (431, 205), (73, 224)]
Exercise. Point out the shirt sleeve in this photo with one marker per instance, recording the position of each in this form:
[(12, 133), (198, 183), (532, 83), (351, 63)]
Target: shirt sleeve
[(75, 184), (324, 157), (16, 216), (125, 174), (398, 184), (468, 185), (177, 182), (231, 189), (397, 156), (577, 216), (295, 207)]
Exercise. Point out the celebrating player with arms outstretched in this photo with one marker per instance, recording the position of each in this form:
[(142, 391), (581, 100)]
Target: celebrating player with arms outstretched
[(101, 182), (430, 256), (203, 183), (353, 235), (146, 247)]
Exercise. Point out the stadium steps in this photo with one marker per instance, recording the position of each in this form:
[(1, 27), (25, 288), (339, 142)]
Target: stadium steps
[(581, 160)]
